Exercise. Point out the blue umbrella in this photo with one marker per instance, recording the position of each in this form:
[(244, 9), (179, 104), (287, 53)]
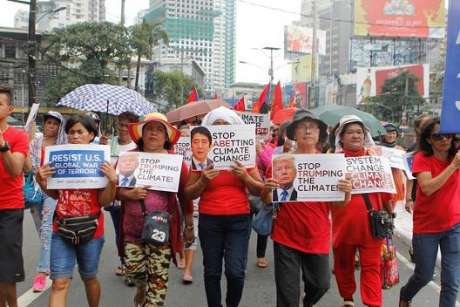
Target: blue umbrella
[(107, 98)]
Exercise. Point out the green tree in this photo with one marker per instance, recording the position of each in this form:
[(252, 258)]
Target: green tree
[(85, 53), (171, 89), (399, 94), (143, 37)]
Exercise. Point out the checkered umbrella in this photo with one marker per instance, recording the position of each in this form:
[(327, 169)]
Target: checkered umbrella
[(107, 98)]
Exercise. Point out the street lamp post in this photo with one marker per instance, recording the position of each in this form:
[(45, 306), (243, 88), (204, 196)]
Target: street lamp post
[(270, 71)]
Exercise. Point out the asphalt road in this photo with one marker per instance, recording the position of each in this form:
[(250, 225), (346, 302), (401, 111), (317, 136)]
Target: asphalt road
[(259, 288)]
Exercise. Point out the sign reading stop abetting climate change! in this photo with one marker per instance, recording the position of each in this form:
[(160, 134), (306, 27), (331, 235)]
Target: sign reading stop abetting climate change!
[(154, 171), (77, 166), (230, 144), (370, 174), (304, 177), (183, 148)]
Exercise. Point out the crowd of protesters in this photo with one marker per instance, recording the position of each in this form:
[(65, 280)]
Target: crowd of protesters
[(217, 207)]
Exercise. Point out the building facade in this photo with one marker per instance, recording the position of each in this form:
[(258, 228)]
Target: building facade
[(60, 13), (203, 31)]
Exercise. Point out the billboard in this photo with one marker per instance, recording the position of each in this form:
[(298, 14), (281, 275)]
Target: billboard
[(301, 69), (400, 18), (298, 91), (298, 41), (370, 80)]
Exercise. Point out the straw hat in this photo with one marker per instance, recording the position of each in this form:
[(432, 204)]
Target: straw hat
[(135, 129)]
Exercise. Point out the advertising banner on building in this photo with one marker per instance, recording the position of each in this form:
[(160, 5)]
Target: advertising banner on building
[(370, 80), (400, 18), (308, 177), (298, 90), (77, 166), (298, 41), (450, 115), (301, 69)]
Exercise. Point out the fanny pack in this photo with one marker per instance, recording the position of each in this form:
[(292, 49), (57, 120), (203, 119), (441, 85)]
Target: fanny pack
[(156, 226), (77, 230), (380, 221)]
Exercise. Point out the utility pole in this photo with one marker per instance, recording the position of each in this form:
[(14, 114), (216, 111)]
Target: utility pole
[(313, 55), (122, 20), (32, 53), (270, 70)]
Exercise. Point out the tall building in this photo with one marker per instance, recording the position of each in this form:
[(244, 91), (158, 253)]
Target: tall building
[(60, 13), (200, 30)]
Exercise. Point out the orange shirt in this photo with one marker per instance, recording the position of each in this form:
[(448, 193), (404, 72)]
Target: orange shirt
[(224, 195)]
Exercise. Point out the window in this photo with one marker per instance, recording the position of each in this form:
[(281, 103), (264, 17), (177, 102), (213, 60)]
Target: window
[(10, 51)]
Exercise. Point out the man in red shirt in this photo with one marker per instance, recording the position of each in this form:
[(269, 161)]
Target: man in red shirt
[(14, 147)]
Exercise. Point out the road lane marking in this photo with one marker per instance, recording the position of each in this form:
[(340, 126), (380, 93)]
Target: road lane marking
[(29, 296), (411, 266)]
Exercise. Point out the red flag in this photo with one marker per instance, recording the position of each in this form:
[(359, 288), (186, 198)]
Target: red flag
[(277, 102), (193, 96), (292, 102), (257, 107), (240, 106)]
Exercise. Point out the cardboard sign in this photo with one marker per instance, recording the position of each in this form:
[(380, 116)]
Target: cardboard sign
[(184, 149), (32, 116), (230, 143), (395, 156), (154, 171), (77, 166), (304, 177), (261, 121), (408, 161), (370, 174)]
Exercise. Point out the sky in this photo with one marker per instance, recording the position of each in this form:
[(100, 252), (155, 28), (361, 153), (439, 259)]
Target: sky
[(256, 27)]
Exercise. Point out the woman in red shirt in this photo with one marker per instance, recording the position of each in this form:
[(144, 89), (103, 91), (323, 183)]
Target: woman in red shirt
[(350, 225), (148, 264), (224, 222), (302, 230), (436, 215), (74, 203)]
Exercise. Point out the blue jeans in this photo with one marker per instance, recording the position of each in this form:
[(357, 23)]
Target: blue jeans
[(43, 219), (224, 237), (425, 252), (64, 256)]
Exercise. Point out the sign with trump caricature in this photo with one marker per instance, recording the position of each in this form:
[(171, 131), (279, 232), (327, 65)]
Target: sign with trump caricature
[(308, 177)]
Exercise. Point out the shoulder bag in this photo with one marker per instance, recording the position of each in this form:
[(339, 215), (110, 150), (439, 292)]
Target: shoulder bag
[(381, 221), (156, 226)]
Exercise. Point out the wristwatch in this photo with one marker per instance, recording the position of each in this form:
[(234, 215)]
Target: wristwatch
[(5, 147)]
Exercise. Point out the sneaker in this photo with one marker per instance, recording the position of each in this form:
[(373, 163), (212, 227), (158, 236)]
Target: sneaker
[(39, 283)]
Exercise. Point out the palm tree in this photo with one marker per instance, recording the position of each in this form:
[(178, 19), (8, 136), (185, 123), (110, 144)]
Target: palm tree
[(143, 38)]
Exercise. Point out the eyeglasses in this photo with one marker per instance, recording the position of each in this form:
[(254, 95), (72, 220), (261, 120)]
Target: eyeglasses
[(439, 136)]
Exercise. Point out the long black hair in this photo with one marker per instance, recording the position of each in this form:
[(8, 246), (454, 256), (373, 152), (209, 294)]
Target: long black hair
[(427, 130)]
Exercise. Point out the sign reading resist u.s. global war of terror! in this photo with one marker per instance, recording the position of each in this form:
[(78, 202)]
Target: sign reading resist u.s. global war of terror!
[(304, 177), (230, 144), (370, 174), (77, 166), (154, 171), (261, 121)]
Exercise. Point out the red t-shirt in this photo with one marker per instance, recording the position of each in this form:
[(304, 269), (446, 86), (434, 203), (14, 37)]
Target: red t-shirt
[(224, 195), (73, 203), (350, 224), (11, 188), (440, 211), (304, 226)]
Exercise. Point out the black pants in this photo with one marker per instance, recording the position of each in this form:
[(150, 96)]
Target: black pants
[(316, 276), (224, 237), (261, 241)]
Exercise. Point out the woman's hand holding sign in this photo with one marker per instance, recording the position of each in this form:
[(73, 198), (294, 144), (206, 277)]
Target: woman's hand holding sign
[(209, 173), (137, 193), (345, 185), (109, 172), (239, 170)]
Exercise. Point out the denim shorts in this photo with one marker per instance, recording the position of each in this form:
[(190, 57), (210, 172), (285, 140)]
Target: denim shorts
[(64, 256)]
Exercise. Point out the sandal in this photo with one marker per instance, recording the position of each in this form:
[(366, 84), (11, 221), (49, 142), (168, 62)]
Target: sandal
[(348, 304), (120, 271), (262, 263), (187, 279)]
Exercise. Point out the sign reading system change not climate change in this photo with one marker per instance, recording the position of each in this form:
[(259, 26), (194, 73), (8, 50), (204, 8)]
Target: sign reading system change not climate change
[(370, 174)]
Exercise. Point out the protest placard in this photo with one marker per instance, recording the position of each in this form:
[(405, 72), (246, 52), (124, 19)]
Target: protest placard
[(395, 156), (77, 166), (408, 161), (183, 148), (154, 171), (261, 122), (306, 177), (32, 116), (370, 174), (231, 143)]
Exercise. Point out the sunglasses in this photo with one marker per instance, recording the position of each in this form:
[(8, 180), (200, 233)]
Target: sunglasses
[(438, 136)]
